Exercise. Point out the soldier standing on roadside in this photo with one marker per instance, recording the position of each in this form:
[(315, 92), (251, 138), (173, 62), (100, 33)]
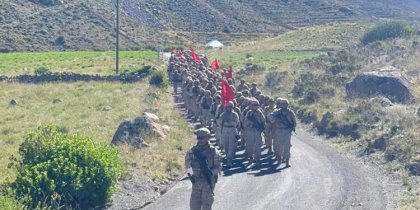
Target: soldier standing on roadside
[(283, 122), (205, 162)]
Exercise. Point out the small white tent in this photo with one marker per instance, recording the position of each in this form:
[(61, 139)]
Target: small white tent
[(214, 44)]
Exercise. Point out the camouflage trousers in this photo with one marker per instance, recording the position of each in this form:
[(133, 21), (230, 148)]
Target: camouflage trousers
[(268, 138), (282, 143), (218, 133), (205, 117), (229, 142), (201, 196), (253, 144)]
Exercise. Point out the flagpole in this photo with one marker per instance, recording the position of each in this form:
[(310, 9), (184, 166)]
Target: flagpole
[(117, 47)]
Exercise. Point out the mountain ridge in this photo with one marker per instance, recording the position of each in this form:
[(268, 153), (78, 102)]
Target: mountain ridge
[(39, 25)]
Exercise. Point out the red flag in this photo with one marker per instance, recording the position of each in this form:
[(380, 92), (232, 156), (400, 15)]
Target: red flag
[(229, 74), (227, 93), (181, 55), (195, 56), (215, 65)]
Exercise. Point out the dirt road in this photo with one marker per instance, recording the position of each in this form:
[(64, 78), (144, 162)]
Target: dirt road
[(319, 178)]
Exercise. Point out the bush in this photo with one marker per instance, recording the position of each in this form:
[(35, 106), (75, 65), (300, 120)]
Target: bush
[(274, 78), (387, 30), (159, 79), (8, 203), (58, 170), (41, 70)]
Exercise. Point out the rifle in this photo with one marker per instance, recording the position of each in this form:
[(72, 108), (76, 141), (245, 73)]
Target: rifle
[(255, 123), (204, 168), (284, 119), (192, 179)]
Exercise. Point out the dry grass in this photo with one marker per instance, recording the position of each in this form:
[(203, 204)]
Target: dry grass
[(94, 110)]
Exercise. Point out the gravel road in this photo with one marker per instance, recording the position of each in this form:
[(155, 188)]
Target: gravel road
[(319, 178)]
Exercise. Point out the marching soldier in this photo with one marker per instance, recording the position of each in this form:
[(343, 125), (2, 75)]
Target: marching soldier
[(268, 135), (283, 122), (205, 162), (229, 123), (254, 123)]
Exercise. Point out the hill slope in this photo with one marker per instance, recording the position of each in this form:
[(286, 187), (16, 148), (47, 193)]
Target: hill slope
[(28, 25)]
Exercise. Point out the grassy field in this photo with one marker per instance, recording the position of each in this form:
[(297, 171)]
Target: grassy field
[(82, 62), (94, 110), (294, 46)]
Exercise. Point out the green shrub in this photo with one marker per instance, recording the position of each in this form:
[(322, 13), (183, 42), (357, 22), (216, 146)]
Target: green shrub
[(387, 30), (41, 70), (274, 78), (159, 79), (8, 203), (58, 170)]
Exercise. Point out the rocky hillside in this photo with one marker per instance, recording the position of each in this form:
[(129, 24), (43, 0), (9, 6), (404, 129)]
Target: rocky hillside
[(34, 25)]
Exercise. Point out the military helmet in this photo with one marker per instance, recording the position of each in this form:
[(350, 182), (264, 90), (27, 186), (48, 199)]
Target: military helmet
[(230, 104), (255, 102), (203, 133)]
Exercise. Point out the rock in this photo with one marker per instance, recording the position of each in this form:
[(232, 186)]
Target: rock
[(13, 102), (132, 132), (323, 124), (56, 101), (106, 108), (382, 101), (380, 143), (128, 133), (388, 82), (414, 168)]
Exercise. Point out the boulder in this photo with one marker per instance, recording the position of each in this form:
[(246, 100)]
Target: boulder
[(13, 102), (388, 82), (380, 143), (133, 132), (414, 168)]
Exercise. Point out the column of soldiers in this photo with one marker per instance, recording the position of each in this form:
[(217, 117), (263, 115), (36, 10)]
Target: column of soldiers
[(251, 120), (248, 118)]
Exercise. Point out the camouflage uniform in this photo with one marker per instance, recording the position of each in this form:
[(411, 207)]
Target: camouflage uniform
[(254, 138), (283, 122), (229, 123), (202, 192), (268, 135), (205, 104)]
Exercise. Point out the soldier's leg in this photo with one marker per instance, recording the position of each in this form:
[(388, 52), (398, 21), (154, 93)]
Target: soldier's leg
[(268, 140), (249, 147), (257, 146), (232, 146), (277, 146), (283, 136), (243, 138), (196, 196), (207, 198), (225, 141), (287, 147)]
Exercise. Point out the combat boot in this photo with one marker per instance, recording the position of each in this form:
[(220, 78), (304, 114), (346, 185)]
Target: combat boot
[(279, 159), (251, 159), (287, 163)]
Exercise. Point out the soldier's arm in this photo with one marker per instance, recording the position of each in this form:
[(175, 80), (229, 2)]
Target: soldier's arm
[(272, 116), (188, 159), (246, 121), (261, 117), (293, 116), (217, 160)]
